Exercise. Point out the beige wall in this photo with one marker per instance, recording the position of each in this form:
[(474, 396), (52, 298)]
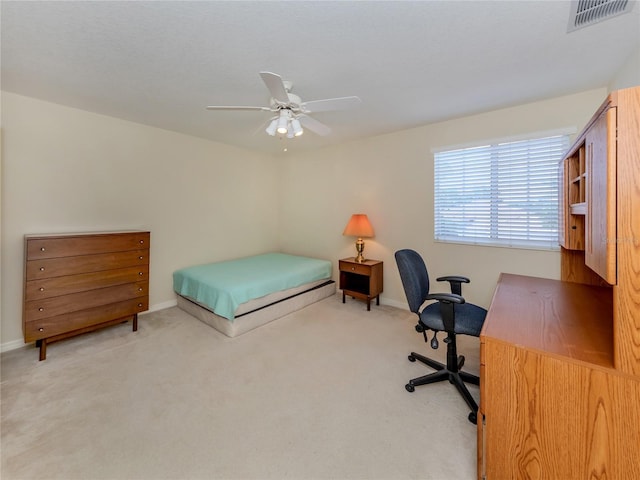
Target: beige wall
[(70, 170), (629, 74), (390, 178), (67, 170)]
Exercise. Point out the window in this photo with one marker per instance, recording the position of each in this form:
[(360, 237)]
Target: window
[(503, 193)]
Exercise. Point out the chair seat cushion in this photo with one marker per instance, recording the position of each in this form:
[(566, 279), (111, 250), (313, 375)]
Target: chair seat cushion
[(469, 318)]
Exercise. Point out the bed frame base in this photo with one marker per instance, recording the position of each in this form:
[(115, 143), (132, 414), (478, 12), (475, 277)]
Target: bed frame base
[(261, 316)]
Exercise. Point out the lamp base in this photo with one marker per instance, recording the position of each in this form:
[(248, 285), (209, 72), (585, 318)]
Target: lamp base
[(360, 249)]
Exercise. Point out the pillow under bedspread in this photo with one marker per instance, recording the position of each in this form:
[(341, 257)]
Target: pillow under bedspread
[(222, 286)]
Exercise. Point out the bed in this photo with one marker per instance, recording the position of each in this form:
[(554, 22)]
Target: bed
[(236, 296)]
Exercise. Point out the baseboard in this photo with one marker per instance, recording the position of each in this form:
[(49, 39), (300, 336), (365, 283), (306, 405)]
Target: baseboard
[(393, 303), (161, 306), (12, 345), (15, 344)]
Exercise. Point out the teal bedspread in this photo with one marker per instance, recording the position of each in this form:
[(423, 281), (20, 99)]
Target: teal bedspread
[(222, 286)]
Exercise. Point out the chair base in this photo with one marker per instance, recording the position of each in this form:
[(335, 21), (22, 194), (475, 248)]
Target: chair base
[(452, 373)]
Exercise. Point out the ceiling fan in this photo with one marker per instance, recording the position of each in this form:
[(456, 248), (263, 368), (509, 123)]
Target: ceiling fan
[(291, 113)]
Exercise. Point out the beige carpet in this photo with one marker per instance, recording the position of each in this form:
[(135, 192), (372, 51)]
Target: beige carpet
[(318, 394)]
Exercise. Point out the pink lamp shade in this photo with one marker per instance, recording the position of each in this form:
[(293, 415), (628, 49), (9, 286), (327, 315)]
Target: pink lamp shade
[(358, 226)]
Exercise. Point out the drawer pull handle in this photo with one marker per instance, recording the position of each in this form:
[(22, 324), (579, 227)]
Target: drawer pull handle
[(42, 269), (140, 273), (41, 289), (139, 289), (41, 329), (41, 309), (353, 268), (42, 249), (140, 305), (140, 257), (141, 242)]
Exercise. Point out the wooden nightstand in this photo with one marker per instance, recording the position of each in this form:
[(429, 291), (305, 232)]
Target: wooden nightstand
[(361, 280)]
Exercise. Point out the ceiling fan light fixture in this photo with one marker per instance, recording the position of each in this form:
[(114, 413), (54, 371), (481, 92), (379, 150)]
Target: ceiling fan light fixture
[(282, 122), (297, 128), (271, 129), (290, 112)]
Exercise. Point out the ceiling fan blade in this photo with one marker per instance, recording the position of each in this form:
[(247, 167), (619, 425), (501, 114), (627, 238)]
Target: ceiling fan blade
[(231, 107), (341, 103), (314, 125), (274, 83)]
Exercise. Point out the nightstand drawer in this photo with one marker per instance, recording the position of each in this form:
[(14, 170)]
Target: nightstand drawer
[(358, 268)]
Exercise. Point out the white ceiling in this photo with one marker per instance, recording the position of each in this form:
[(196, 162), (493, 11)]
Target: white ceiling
[(411, 63)]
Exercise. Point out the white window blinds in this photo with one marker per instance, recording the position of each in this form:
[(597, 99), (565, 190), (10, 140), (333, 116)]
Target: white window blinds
[(503, 194)]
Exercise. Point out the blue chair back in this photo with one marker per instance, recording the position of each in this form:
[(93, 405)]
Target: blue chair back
[(414, 276)]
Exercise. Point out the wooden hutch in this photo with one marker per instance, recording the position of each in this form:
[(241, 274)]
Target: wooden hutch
[(560, 359)]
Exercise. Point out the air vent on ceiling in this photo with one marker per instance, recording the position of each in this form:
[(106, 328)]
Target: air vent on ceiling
[(587, 12)]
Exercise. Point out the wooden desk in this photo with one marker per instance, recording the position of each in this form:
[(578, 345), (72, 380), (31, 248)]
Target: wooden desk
[(551, 403)]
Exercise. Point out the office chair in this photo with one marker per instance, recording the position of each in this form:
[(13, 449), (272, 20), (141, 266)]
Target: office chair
[(450, 314)]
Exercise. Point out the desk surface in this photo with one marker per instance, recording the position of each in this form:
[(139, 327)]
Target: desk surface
[(562, 318)]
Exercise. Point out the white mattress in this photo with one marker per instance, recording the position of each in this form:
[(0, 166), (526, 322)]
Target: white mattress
[(259, 311)]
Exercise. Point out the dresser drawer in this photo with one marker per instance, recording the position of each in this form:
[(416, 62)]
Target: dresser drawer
[(57, 267), (51, 307), (358, 268), (56, 286), (62, 324), (74, 245)]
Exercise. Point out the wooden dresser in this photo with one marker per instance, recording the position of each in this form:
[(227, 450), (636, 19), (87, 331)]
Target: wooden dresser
[(79, 282), (560, 359)]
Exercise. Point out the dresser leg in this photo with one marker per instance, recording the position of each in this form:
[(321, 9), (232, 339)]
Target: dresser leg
[(135, 322), (43, 349)]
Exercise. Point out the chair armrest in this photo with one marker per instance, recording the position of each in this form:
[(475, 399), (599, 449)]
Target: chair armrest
[(445, 297), (447, 302), (453, 278), (455, 281)]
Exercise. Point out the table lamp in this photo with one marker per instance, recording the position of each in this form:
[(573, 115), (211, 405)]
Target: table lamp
[(359, 226)]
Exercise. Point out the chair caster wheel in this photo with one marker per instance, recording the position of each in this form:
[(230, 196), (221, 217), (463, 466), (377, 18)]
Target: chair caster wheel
[(411, 358), (473, 418), (460, 362), (409, 387)]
